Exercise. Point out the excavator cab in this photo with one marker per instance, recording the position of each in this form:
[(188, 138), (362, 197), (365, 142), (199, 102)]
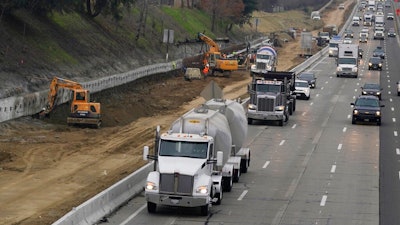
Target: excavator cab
[(82, 110)]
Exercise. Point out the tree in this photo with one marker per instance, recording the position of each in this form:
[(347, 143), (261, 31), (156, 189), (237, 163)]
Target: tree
[(228, 11)]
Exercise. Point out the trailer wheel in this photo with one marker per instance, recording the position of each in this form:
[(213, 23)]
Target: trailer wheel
[(204, 210), (236, 175), (151, 207), (244, 165)]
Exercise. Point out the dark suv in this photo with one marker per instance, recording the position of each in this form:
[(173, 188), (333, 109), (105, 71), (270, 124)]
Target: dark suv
[(372, 89), (309, 77), (367, 108)]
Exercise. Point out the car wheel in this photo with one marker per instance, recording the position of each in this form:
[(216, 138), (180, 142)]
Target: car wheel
[(353, 120)]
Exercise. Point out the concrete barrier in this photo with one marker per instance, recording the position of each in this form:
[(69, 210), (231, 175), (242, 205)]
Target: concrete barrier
[(104, 203)]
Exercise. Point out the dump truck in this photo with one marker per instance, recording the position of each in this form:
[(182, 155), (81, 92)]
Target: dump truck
[(214, 58), (199, 158), (271, 97), (83, 111), (266, 60)]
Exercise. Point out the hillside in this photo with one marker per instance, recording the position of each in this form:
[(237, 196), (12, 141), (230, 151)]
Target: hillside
[(47, 167)]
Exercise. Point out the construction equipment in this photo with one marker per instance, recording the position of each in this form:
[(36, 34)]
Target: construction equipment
[(215, 60), (82, 110)]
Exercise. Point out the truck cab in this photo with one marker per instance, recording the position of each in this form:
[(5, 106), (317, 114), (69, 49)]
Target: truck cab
[(347, 60)]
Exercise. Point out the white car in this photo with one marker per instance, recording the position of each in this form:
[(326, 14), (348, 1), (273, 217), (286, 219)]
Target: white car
[(347, 41), (302, 89)]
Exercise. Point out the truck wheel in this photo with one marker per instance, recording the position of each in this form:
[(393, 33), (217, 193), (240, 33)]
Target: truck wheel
[(249, 121), (290, 109), (151, 207), (280, 122), (219, 196), (227, 184), (294, 105), (204, 210), (353, 121)]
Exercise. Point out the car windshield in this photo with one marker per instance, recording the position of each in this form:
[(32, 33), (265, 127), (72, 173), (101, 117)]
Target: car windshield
[(367, 102), (301, 84), (306, 76), (375, 60), (371, 86)]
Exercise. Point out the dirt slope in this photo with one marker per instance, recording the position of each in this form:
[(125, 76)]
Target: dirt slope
[(47, 167)]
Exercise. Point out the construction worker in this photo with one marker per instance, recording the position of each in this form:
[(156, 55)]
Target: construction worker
[(205, 70)]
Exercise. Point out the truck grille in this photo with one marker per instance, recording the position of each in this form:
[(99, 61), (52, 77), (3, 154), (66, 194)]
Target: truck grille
[(176, 184), (261, 66), (265, 104)]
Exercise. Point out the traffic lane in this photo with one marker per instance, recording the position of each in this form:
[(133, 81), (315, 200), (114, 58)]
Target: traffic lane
[(389, 146)]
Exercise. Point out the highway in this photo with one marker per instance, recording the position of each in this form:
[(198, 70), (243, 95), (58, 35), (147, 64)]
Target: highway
[(317, 169)]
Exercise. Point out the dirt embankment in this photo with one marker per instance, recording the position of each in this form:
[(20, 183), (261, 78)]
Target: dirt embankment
[(46, 168)]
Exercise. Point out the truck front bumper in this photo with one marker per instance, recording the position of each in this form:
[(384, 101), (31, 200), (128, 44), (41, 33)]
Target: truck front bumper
[(177, 200), (277, 115)]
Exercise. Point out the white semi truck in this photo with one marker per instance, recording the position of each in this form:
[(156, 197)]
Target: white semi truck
[(347, 60), (199, 158), (266, 60)]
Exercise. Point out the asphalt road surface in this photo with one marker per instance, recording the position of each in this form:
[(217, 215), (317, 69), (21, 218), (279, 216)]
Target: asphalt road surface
[(318, 168)]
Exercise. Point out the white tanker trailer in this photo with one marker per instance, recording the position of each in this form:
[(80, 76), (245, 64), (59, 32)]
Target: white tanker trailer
[(199, 157)]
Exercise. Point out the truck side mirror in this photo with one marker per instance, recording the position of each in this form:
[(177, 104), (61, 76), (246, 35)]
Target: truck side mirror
[(220, 156), (145, 153)]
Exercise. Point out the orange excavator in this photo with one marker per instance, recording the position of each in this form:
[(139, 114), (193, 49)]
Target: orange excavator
[(82, 112), (213, 57)]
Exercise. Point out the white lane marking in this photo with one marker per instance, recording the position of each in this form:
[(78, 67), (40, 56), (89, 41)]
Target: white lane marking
[(333, 169), (322, 88), (395, 133), (397, 151), (323, 200), (389, 92), (316, 95), (312, 103), (358, 84), (388, 86), (294, 126), (339, 147), (129, 219), (390, 99), (399, 175), (242, 195), (344, 128), (392, 108), (354, 97), (266, 164), (355, 90), (282, 142), (394, 120), (303, 114)]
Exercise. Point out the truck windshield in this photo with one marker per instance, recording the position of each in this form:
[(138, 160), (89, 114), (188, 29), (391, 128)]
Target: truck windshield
[(352, 61), (183, 149), (268, 88), (261, 56)]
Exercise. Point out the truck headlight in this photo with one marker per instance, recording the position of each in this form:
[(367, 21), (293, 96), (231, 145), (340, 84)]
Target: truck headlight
[(252, 107), (354, 69), (151, 186), (330, 51), (279, 108), (378, 113), (339, 69), (369, 64), (355, 112), (364, 92), (378, 93), (380, 64), (202, 190), (253, 67)]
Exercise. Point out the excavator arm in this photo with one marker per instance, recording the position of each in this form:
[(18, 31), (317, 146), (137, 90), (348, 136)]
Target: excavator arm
[(211, 44), (56, 84)]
